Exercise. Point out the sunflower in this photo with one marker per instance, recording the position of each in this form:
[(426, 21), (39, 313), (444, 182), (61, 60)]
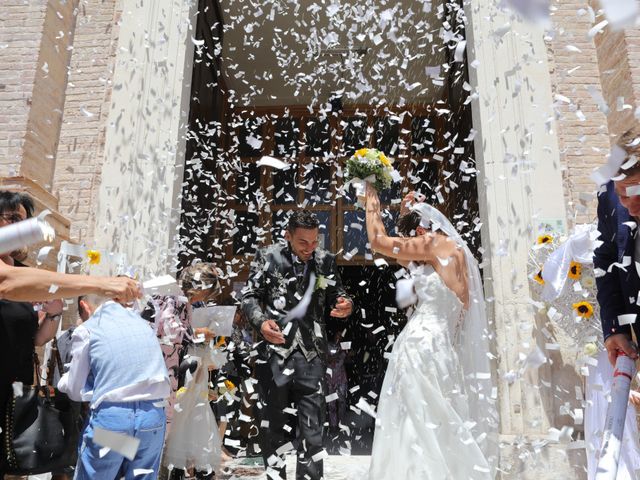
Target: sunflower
[(583, 309), (542, 239), (575, 271), (538, 278), (93, 256)]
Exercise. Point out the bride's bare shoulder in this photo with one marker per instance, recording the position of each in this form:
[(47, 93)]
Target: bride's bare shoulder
[(440, 241), (446, 248)]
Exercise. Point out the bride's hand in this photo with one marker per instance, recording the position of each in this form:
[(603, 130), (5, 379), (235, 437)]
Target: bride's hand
[(372, 199), (362, 194), (409, 200)]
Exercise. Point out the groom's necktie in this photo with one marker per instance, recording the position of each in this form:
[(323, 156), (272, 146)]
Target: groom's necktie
[(299, 268)]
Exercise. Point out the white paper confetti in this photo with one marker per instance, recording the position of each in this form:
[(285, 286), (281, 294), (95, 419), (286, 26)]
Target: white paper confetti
[(620, 13), (627, 319), (118, 442), (536, 11), (268, 161)]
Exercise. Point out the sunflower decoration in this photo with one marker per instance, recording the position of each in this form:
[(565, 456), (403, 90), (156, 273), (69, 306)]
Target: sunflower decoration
[(583, 309), (575, 271), (538, 277), (570, 304), (225, 386), (93, 256), (545, 239)]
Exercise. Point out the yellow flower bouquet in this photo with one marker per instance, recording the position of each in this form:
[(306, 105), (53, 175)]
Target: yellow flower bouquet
[(371, 165)]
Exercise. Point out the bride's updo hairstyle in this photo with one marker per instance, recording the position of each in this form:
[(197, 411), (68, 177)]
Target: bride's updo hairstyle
[(408, 223)]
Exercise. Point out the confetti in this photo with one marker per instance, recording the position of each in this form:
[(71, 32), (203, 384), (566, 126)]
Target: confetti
[(536, 11), (620, 13), (123, 444), (267, 161)]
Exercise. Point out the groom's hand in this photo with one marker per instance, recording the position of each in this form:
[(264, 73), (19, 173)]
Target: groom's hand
[(271, 332), (620, 341), (342, 309)]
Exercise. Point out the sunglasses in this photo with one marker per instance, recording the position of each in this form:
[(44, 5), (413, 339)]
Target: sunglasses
[(12, 217)]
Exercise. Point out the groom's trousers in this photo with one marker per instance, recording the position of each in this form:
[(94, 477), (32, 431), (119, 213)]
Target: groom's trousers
[(292, 383)]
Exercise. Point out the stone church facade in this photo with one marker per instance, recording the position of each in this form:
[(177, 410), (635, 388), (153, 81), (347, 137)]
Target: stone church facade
[(94, 103)]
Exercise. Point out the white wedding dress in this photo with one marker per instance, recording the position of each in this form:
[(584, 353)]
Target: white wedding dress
[(423, 422)]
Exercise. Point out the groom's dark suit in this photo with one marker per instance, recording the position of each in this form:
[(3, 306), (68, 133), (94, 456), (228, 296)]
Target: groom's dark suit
[(618, 289), (292, 373)]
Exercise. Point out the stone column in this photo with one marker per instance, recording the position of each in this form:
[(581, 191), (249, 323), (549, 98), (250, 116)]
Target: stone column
[(520, 188), (138, 201)]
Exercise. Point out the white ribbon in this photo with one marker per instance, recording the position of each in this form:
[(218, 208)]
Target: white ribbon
[(577, 248)]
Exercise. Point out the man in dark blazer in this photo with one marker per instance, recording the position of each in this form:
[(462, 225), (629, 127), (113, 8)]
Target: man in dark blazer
[(619, 255), (291, 354)]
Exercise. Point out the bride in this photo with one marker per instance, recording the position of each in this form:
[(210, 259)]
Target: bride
[(436, 416)]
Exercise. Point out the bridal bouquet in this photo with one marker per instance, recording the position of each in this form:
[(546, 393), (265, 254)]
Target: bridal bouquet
[(373, 166)]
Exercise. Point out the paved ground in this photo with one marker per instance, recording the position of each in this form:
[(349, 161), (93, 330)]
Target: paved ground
[(336, 467)]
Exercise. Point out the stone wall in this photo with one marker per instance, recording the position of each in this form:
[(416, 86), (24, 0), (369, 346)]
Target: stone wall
[(36, 41), (632, 36), (45, 116), (582, 126), (81, 149), (21, 28), (615, 78)]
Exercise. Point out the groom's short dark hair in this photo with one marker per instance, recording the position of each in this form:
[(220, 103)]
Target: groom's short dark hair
[(408, 223), (303, 219), (629, 141)]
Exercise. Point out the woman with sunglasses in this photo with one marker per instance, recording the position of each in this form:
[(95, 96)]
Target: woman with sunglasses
[(22, 328)]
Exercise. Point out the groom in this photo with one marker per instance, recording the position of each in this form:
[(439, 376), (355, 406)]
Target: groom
[(291, 365)]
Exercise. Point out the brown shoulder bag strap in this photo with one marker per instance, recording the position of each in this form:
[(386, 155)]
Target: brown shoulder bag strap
[(54, 361)]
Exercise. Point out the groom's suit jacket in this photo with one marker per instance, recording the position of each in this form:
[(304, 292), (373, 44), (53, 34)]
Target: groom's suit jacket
[(273, 289), (618, 289)]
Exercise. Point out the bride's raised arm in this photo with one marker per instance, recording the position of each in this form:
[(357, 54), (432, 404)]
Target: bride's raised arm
[(421, 248)]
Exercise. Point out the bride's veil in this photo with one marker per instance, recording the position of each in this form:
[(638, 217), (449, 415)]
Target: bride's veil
[(473, 346)]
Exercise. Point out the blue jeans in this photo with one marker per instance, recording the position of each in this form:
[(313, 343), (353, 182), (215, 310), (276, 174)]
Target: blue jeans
[(142, 420)]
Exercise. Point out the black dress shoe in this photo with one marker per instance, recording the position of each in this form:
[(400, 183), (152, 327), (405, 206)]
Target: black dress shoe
[(205, 475), (176, 474)]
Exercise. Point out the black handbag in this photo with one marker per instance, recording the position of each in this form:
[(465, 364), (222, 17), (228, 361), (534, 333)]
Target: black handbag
[(42, 427)]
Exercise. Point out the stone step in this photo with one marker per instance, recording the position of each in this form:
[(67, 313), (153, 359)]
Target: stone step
[(336, 467)]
